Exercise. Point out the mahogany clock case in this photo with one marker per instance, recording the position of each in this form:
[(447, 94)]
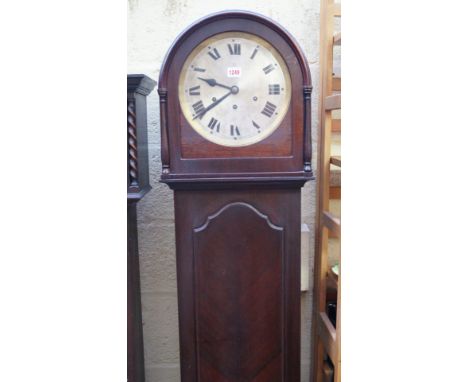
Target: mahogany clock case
[(237, 217), (186, 154)]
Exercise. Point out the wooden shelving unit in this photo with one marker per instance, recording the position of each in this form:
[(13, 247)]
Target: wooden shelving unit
[(326, 330)]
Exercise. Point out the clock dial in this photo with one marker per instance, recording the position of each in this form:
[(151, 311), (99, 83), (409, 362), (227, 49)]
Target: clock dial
[(234, 89)]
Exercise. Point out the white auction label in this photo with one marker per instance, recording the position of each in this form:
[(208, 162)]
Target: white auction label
[(234, 72)]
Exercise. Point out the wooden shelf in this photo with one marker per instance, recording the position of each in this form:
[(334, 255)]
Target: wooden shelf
[(327, 333), (336, 83), (335, 192), (332, 223), (336, 160), (337, 39), (335, 177), (336, 125), (333, 102)]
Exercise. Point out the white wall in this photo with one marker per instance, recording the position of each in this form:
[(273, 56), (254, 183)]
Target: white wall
[(152, 27)]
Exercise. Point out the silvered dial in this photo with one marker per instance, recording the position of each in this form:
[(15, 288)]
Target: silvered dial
[(234, 89)]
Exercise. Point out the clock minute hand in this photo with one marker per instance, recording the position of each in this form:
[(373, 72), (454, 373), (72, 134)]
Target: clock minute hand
[(213, 105), (212, 82)]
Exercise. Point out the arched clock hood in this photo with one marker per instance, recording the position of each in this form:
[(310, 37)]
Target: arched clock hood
[(285, 155)]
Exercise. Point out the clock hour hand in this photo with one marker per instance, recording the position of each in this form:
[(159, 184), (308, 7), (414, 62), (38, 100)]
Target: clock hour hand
[(208, 108), (212, 82)]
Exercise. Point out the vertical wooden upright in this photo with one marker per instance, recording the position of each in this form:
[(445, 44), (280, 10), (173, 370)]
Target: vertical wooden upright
[(326, 336), (138, 87)]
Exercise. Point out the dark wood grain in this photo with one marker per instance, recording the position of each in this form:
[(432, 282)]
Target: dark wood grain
[(237, 214), (138, 87), (238, 253), (307, 129), (259, 251), (135, 356), (165, 158)]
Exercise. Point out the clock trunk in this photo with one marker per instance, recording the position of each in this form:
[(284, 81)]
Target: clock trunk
[(238, 266)]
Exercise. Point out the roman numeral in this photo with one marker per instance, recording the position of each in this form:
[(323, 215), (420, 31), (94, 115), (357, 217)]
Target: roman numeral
[(214, 54), (214, 123), (254, 53), (199, 70), (235, 131), (258, 127), (195, 90), (198, 107), (236, 50), (269, 109), (273, 89), (268, 69)]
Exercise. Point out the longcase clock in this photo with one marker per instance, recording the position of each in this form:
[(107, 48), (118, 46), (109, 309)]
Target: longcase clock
[(236, 149)]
